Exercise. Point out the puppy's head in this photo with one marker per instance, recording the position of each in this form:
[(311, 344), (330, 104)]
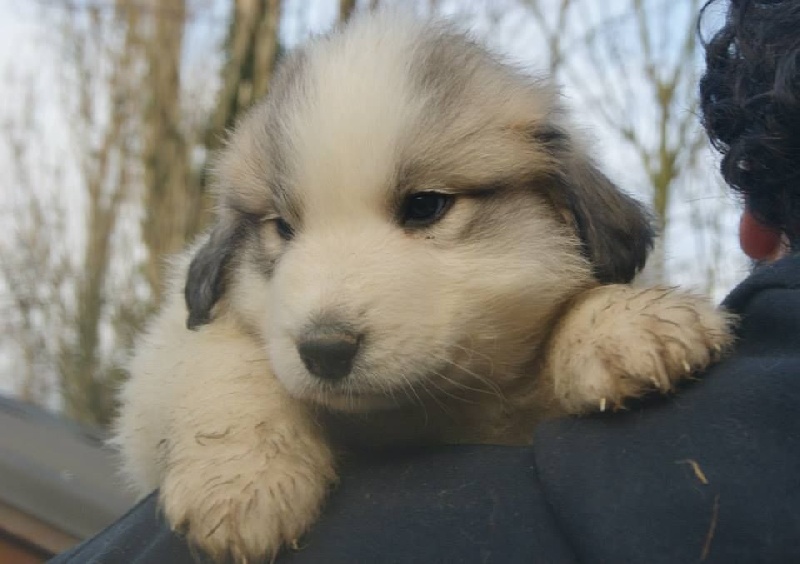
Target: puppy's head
[(403, 216)]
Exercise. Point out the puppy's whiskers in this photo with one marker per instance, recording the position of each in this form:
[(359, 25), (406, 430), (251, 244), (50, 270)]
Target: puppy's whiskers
[(389, 391), (488, 387), (474, 352), (409, 387), (438, 402), (485, 380), (348, 396), (447, 393)]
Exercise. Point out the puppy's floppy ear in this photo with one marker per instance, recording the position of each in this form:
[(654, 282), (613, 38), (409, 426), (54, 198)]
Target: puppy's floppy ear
[(208, 272), (616, 231)]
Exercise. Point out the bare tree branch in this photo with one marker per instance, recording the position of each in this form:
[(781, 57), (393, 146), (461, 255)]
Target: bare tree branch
[(554, 34), (346, 9), (252, 49), (172, 199)]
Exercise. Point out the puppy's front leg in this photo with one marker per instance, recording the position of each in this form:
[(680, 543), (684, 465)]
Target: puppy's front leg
[(618, 342), (246, 469)]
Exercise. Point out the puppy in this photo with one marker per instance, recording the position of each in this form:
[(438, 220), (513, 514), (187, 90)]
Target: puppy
[(411, 246)]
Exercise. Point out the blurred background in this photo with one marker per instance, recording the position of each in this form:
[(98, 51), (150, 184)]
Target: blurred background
[(111, 108)]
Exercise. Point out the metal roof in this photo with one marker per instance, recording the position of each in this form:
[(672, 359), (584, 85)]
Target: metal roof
[(58, 471)]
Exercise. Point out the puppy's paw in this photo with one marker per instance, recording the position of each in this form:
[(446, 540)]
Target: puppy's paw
[(242, 502), (618, 342)]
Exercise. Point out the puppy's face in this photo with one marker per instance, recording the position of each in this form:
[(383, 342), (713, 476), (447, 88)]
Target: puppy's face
[(402, 218)]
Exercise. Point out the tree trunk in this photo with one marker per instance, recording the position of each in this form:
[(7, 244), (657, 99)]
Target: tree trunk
[(251, 49), (172, 200)]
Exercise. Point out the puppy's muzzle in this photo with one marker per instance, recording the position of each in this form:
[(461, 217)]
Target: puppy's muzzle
[(328, 351)]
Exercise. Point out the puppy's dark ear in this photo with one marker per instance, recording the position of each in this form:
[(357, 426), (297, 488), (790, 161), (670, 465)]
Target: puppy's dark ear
[(208, 273), (616, 231)]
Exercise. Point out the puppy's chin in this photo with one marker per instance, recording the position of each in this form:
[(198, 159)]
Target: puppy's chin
[(351, 402), (342, 396)]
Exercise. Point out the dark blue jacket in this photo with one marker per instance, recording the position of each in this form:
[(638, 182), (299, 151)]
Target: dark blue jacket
[(709, 475)]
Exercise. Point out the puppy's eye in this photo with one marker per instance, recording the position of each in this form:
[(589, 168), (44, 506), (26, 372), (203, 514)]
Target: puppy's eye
[(284, 230), (425, 208)]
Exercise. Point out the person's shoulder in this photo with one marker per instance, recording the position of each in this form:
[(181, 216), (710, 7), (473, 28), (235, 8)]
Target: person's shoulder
[(139, 537), (783, 274), (465, 503), (708, 472)]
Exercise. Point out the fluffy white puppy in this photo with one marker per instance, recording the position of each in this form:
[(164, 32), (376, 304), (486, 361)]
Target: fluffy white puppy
[(410, 246)]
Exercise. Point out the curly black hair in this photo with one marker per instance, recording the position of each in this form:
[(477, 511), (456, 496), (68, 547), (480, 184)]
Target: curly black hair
[(750, 102)]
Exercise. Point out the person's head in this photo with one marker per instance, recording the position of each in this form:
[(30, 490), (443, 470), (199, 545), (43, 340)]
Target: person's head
[(750, 101)]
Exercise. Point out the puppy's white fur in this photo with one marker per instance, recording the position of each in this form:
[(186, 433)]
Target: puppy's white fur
[(510, 308)]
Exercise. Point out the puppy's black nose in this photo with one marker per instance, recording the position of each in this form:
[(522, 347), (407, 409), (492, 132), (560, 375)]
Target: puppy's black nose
[(328, 351)]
